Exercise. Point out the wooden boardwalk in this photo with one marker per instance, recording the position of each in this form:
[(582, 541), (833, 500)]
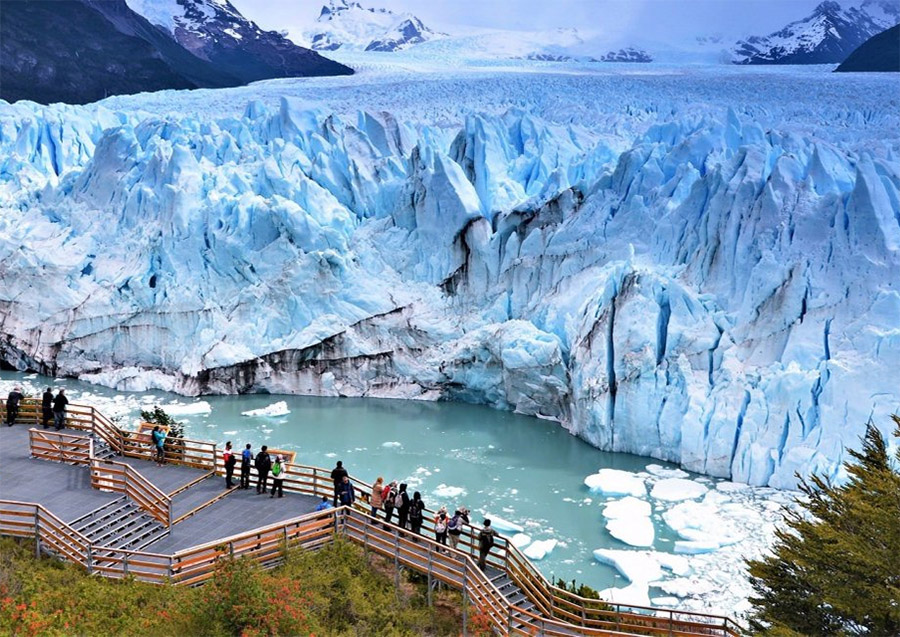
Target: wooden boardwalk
[(92, 495)]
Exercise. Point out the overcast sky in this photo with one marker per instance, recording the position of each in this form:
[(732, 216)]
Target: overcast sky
[(662, 19)]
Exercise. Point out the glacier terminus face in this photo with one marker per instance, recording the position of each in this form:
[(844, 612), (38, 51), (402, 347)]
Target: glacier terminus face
[(701, 266)]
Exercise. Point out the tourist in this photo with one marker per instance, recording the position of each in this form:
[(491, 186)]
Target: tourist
[(246, 459), (324, 504), (47, 408), (337, 477), (278, 477), (389, 500), (485, 543), (230, 461), (347, 494), (455, 526), (12, 406), (158, 437), (263, 463), (59, 409), (402, 504), (416, 513), (440, 526), (376, 501)]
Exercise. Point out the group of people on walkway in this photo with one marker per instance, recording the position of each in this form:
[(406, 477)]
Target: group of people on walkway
[(266, 465), (52, 408), (385, 497)]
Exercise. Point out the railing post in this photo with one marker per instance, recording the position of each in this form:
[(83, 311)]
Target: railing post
[(430, 567), (169, 509), (125, 565), (509, 620), (90, 558), (397, 559), (465, 593), (37, 532)]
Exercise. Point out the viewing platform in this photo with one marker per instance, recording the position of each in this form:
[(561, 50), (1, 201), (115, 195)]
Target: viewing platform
[(92, 494)]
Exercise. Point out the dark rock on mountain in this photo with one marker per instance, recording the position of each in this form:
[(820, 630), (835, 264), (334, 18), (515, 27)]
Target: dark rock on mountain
[(68, 51), (879, 53), (630, 54)]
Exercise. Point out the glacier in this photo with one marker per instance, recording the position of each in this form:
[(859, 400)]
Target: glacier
[(700, 266)]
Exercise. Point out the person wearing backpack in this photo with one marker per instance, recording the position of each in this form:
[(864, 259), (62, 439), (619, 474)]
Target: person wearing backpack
[(347, 494), (485, 543), (416, 513), (455, 526), (402, 504), (263, 463), (440, 526), (389, 500), (246, 459), (376, 500), (230, 460), (278, 477)]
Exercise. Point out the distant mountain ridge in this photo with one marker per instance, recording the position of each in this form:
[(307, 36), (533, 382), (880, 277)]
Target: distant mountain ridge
[(79, 51), (880, 53), (827, 36), (344, 24)]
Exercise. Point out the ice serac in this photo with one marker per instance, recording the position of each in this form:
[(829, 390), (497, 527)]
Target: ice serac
[(714, 291)]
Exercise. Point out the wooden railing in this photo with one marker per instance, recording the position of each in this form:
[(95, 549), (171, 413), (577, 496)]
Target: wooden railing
[(110, 475), (60, 447), (27, 519), (557, 610)]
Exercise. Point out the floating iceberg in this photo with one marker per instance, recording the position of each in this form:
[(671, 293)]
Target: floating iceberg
[(446, 491), (520, 540), (677, 489), (701, 526), (271, 411), (539, 549), (636, 531), (502, 525), (615, 482), (188, 409), (627, 508), (391, 444), (635, 566)]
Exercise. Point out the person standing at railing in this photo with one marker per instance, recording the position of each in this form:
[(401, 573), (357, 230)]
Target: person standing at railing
[(12, 406), (347, 494), (376, 501), (440, 526), (337, 477), (159, 441), (47, 408), (389, 500), (278, 477), (402, 504), (246, 459), (416, 513), (485, 543), (59, 409), (263, 464), (230, 461), (455, 526)]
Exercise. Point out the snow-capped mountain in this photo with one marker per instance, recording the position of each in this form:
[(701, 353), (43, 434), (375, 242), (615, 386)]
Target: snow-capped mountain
[(347, 25), (629, 54), (827, 36), (216, 32)]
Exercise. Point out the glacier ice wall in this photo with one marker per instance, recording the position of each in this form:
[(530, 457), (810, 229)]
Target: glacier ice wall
[(711, 292)]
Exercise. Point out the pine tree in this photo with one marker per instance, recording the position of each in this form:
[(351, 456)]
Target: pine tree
[(835, 568)]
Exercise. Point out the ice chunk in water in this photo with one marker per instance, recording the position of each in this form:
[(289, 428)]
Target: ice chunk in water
[(615, 482), (676, 489), (275, 409)]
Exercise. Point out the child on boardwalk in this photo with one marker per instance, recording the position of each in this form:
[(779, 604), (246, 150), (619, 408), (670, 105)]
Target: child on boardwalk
[(278, 477)]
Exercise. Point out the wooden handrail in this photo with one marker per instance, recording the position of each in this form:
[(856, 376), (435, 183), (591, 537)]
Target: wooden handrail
[(123, 478), (59, 447), (549, 599)]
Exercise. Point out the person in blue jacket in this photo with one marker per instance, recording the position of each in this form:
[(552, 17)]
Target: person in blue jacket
[(246, 459), (347, 494), (159, 441)]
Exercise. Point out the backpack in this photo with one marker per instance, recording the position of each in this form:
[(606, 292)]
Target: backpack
[(415, 510), (276, 469), (391, 499), (487, 538), (455, 524), (440, 525)]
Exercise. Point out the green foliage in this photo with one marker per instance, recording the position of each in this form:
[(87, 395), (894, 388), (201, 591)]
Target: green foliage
[(335, 590), (835, 569), (159, 417)]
